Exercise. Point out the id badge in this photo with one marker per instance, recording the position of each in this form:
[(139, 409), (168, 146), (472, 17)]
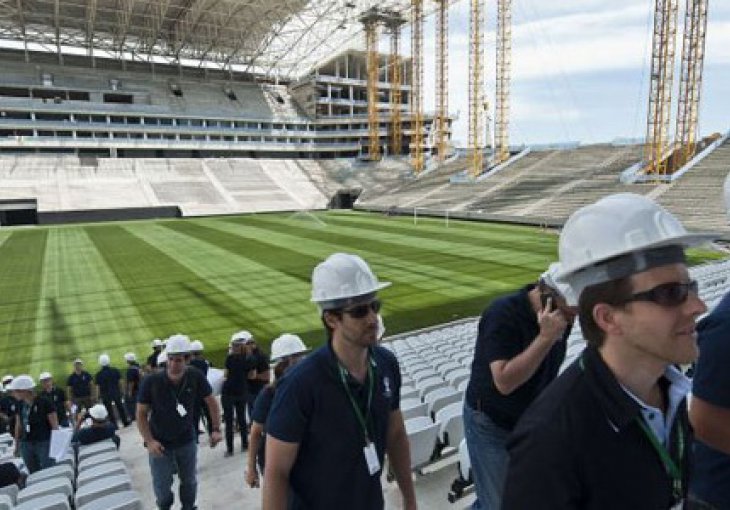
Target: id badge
[(181, 410), (27, 428), (371, 458)]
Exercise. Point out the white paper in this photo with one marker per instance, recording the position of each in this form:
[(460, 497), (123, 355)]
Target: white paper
[(60, 441), (215, 378)]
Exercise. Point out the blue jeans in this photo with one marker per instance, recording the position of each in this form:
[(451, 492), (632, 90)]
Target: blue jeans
[(35, 455), (488, 454), (183, 461)]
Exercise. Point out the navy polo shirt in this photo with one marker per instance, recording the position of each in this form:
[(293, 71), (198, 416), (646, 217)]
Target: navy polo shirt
[(259, 362), (200, 364), (311, 407), (238, 366), (260, 413), (711, 475), (58, 397), (152, 358), (108, 380), (34, 424), (133, 377), (90, 435), (162, 396), (80, 384), (507, 327)]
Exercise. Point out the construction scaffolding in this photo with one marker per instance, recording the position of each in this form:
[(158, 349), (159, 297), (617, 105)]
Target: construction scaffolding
[(657, 147), (394, 24), (370, 21), (476, 88), (690, 85), (504, 65), (417, 156), (442, 79)]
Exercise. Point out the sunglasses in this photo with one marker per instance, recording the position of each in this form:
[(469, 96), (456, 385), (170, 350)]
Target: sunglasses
[(667, 294), (361, 311)]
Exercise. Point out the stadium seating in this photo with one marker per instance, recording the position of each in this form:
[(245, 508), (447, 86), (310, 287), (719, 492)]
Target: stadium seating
[(422, 434)]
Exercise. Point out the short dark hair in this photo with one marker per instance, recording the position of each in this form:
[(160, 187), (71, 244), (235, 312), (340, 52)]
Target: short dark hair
[(614, 292)]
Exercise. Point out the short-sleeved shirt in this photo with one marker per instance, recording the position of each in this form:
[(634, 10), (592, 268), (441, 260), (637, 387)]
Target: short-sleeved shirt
[(162, 396), (238, 367), (80, 384), (259, 362), (108, 381), (58, 397), (201, 364), (133, 378), (34, 424), (311, 407), (711, 476), (89, 435), (9, 474), (260, 414), (507, 327)]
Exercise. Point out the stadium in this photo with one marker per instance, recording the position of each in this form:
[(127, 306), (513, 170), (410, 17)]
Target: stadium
[(181, 166)]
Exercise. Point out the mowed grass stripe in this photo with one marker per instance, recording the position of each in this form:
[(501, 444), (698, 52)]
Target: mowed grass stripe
[(268, 301), (84, 310), (21, 272)]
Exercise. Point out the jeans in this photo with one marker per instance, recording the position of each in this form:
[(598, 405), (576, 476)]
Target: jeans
[(35, 455), (183, 461), (229, 403), (488, 454)]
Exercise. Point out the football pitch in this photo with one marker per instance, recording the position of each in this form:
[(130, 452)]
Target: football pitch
[(80, 290)]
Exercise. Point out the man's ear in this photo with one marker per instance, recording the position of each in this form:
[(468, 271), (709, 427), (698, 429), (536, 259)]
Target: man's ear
[(330, 319), (606, 317)]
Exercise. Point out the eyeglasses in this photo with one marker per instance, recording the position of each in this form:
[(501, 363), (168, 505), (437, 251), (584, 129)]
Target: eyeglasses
[(360, 311), (667, 294)]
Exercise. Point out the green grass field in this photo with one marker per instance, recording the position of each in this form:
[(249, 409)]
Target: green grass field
[(82, 290)]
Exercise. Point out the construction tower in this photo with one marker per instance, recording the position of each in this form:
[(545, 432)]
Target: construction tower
[(504, 65), (476, 88), (417, 156), (660, 94), (370, 20), (442, 78), (690, 85), (394, 24)]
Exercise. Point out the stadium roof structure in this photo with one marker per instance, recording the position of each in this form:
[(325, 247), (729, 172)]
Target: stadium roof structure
[(278, 38)]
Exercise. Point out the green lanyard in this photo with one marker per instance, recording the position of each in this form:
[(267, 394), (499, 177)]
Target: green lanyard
[(363, 420), (674, 470)]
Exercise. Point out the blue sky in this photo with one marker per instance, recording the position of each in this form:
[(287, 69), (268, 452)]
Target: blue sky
[(580, 68)]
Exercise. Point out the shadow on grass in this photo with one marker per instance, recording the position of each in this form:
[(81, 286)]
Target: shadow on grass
[(62, 342)]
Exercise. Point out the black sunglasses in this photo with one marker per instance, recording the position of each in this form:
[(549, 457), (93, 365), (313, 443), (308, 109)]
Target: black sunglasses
[(360, 311), (667, 294)]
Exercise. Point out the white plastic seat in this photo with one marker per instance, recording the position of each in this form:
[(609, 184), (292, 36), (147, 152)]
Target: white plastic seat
[(101, 488), (6, 438), (48, 502), (5, 502), (455, 376), (103, 470), (462, 385), (68, 459), (408, 392), (422, 375), (464, 461), (429, 385), (60, 471), (11, 491), (440, 398), (61, 486), (90, 450), (422, 434), (125, 500), (451, 424), (412, 407), (96, 460)]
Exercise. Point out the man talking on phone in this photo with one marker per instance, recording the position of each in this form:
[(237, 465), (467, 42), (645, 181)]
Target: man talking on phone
[(519, 348)]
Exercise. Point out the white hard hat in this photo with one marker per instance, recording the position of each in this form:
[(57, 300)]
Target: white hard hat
[(196, 346), (241, 337), (162, 357), (287, 345), (340, 277), (178, 344), (156, 343), (130, 356), (22, 382), (78, 361), (104, 360), (550, 278), (98, 412), (44, 376), (617, 236)]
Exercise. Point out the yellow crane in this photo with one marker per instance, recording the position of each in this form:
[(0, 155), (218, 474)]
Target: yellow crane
[(417, 157), (370, 20), (504, 64), (476, 88), (442, 78), (394, 23)]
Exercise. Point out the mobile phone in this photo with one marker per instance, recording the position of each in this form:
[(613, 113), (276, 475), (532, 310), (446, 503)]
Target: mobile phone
[(548, 298)]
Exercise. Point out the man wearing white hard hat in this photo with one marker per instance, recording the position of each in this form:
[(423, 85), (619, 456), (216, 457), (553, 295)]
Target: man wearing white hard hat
[(612, 430), (234, 393), (286, 351), (710, 408), (55, 395), (157, 347), (336, 414), (132, 378), (36, 418), (167, 399), (520, 344), (109, 383), (94, 426), (80, 386)]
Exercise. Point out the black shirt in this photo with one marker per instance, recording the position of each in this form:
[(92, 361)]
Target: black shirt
[(133, 378), (200, 364), (89, 435), (152, 358), (80, 384), (236, 383), (507, 327), (162, 396), (58, 397), (259, 362), (34, 424), (108, 381)]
